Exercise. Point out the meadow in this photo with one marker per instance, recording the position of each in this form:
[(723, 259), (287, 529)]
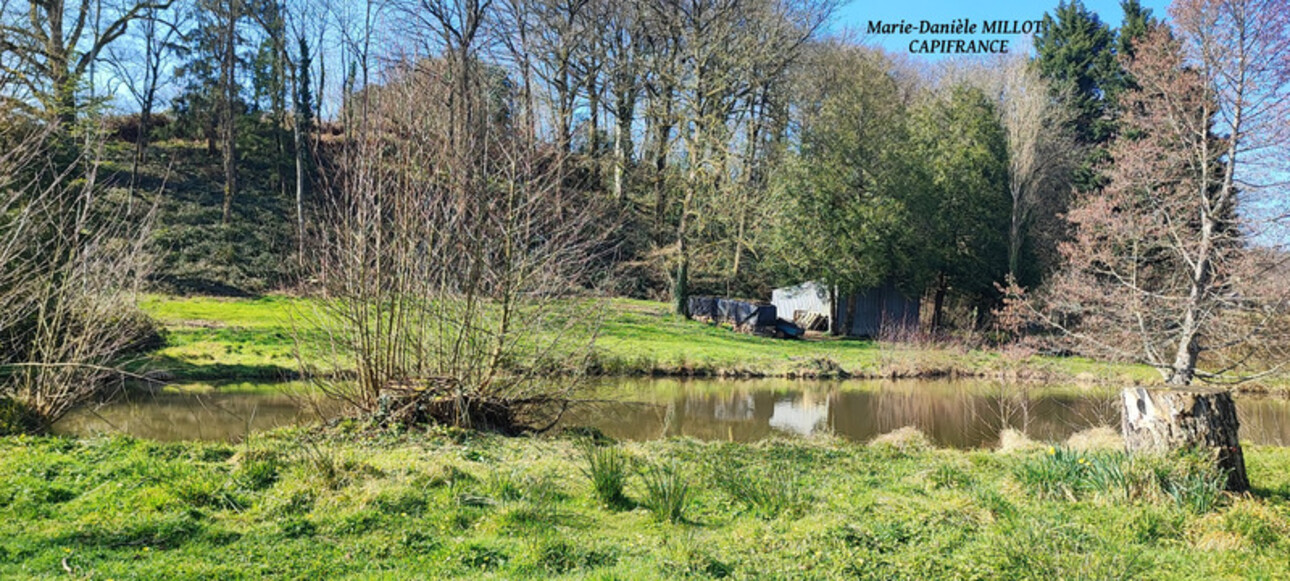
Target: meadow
[(349, 502), (253, 338)]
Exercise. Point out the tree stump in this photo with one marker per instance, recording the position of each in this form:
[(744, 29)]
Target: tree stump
[(1161, 420)]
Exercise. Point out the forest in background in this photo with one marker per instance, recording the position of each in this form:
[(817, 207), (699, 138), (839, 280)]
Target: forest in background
[(445, 172), (738, 139)]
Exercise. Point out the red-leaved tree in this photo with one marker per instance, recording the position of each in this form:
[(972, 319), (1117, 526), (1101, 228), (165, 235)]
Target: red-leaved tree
[(1169, 264)]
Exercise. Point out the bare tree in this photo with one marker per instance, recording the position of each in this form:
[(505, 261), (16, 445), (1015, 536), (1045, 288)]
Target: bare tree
[(142, 72), (231, 13), (1166, 266), (49, 41), (622, 42), (721, 51), (1041, 150), (560, 37)]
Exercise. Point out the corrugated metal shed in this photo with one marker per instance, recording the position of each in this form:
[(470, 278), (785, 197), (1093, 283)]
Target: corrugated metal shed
[(876, 309), (809, 297)]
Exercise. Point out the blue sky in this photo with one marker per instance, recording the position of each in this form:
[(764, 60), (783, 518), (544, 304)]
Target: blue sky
[(858, 13)]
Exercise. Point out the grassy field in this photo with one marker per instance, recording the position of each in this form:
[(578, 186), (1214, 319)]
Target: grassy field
[(216, 338), (298, 504)]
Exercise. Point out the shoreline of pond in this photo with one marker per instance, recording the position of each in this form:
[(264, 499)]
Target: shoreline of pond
[(963, 414)]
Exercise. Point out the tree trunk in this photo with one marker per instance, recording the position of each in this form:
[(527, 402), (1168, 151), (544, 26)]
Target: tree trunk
[(849, 319), (835, 312), (938, 304), (624, 107), (229, 129), (1014, 233), (1160, 420), (299, 145)]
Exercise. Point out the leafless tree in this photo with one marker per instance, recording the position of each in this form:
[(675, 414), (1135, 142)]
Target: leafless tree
[(722, 53), (455, 301), (230, 12), (1041, 151), (1171, 262), (54, 45), (143, 71), (71, 264)]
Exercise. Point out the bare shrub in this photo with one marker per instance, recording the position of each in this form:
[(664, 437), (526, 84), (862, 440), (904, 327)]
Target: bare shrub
[(71, 264), (1012, 440), (452, 261)]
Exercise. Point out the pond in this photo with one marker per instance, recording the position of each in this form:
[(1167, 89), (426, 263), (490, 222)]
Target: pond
[(960, 414)]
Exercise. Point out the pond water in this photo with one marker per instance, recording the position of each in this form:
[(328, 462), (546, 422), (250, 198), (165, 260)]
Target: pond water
[(960, 414)]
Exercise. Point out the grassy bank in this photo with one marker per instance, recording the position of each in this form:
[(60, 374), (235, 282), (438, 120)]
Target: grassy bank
[(212, 338), (296, 505)]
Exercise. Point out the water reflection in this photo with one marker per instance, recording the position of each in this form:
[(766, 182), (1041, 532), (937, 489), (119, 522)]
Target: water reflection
[(958, 414), (188, 416), (962, 414)]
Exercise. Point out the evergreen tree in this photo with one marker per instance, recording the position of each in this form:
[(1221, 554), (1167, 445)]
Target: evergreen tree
[(961, 215), (1137, 22), (304, 89), (1075, 52), (844, 221)]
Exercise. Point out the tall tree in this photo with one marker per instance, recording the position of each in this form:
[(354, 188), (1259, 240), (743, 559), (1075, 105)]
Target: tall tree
[(1075, 53), (1041, 154), (962, 214), (302, 128), (1137, 22), (1162, 269), (623, 45), (144, 71), (844, 217), (719, 47), (55, 45), (229, 13)]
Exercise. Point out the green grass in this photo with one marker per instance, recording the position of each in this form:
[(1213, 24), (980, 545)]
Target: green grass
[(294, 504), (225, 338), (217, 338)]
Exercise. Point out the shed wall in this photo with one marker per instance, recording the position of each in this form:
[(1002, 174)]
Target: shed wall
[(808, 296)]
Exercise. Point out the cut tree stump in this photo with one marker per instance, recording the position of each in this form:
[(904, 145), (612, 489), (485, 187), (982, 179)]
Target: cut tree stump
[(1162, 420)]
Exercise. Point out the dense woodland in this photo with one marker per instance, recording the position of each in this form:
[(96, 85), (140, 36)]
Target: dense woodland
[(1114, 188)]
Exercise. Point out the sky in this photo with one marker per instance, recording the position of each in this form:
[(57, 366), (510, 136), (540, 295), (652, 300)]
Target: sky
[(857, 14)]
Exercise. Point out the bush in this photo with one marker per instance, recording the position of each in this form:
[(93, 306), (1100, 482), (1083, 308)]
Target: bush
[(667, 491), (1186, 479), (16, 418), (765, 493), (607, 468)]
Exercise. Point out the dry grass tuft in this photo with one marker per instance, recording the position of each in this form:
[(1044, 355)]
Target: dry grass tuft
[(906, 439), (1099, 438), (1012, 440)]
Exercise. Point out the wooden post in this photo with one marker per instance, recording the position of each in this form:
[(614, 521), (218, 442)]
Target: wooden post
[(1160, 420)]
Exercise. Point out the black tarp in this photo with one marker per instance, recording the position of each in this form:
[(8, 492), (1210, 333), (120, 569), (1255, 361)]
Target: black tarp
[(735, 312)]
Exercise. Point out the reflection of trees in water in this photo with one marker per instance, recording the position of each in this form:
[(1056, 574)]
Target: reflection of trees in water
[(952, 414), (959, 415), (947, 418), (168, 416), (1264, 421)]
